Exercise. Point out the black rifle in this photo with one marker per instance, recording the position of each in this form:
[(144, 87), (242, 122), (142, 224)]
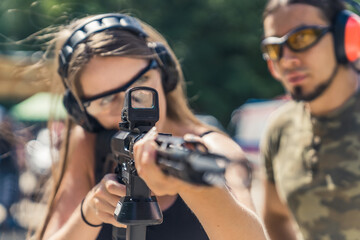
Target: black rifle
[(188, 161)]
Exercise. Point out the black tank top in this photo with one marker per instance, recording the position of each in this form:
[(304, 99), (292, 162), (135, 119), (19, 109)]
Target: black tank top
[(179, 222)]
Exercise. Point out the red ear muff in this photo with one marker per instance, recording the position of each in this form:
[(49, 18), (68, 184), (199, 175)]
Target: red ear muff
[(346, 31), (352, 38)]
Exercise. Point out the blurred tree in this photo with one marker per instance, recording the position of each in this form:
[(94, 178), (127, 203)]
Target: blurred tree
[(217, 41)]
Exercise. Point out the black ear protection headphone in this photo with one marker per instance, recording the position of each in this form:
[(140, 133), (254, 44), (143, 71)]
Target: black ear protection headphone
[(346, 31), (100, 23)]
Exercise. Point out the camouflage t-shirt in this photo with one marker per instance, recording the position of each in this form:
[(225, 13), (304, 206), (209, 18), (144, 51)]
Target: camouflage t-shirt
[(315, 164)]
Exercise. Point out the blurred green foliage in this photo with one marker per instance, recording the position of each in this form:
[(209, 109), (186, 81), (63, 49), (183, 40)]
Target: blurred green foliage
[(217, 42)]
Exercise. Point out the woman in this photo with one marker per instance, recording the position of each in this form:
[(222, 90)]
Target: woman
[(99, 58)]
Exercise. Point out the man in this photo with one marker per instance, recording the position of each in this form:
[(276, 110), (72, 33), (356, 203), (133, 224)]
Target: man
[(311, 148)]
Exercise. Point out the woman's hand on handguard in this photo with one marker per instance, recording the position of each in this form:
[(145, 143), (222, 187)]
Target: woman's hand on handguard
[(100, 203), (145, 162)]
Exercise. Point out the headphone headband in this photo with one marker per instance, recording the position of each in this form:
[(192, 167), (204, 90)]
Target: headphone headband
[(95, 24)]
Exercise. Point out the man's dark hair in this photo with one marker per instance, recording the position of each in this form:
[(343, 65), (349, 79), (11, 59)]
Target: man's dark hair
[(329, 8)]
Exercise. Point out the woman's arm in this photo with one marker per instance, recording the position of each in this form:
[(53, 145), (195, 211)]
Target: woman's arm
[(65, 217), (220, 214), (238, 177)]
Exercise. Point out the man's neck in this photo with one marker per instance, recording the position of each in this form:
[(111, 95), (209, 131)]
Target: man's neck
[(344, 85)]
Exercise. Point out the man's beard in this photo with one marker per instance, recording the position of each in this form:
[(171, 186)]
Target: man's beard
[(299, 95)]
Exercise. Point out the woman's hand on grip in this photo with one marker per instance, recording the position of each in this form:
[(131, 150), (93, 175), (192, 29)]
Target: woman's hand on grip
[(100, 203)]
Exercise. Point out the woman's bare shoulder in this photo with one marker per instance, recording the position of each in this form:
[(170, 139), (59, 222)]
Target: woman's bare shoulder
[(76, 180), (81, 148)]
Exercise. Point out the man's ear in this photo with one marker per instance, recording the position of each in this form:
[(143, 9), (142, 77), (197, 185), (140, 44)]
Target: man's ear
[(273, 69)]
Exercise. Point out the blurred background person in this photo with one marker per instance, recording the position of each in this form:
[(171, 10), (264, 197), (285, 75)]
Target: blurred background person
[(9, 172), (311, 149)]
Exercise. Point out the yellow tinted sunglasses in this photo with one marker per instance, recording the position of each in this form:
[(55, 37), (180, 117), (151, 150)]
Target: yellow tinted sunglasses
[(298, 40)]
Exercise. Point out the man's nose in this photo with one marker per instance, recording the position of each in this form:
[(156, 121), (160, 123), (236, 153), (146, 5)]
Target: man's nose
[(286, 52), (288, 57)]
